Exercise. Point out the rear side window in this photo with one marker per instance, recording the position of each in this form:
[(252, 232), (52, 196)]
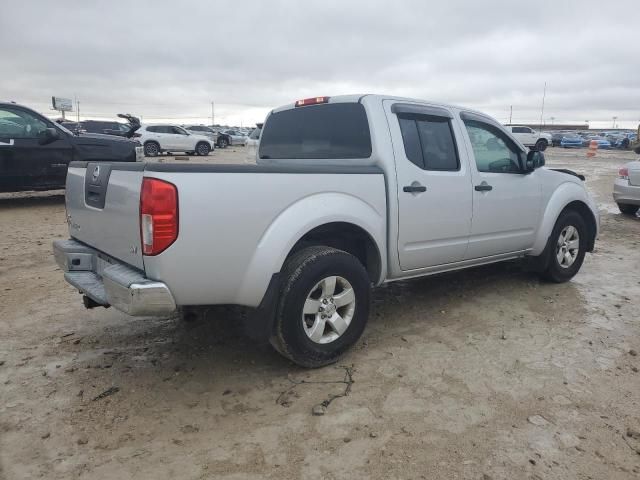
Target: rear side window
[(333, 130), (429, 142)]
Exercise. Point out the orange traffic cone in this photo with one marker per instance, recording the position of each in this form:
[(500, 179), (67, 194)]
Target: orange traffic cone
[(593, 148)]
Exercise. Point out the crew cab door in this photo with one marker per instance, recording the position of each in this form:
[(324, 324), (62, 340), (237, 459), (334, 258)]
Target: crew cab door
[(506, 201), (433, 185), (24, 163)]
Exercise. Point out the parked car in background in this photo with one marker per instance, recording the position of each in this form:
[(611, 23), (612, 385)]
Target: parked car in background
[(626, 188), (530, 137), (601, 141), (159, 138), (556, 138), (203, 130), (571, 140), (222, 139), (35, 152), (349, 192), (106, 127), (253, 140), (236, 137)]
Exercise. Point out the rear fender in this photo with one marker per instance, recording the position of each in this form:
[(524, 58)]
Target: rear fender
[(294, 222)]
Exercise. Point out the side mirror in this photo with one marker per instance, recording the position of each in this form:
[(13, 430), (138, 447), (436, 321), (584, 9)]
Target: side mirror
[(48, 135), (534, 160)]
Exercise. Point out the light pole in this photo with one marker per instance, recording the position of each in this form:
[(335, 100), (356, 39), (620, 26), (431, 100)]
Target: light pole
[(614, 122), (552, 119)]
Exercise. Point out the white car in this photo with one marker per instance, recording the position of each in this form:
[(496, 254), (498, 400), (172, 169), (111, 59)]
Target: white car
[(626, 188), (236, 137), (529, 137), (157, 138)]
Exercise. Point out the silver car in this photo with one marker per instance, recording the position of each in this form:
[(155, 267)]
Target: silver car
[(626, 188)]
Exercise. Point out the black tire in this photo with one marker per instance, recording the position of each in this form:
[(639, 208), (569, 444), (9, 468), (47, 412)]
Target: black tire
[(554, 272), (299, 275), (151, 149), (203, 149), (222, 143), (541, 145), (628, 209)]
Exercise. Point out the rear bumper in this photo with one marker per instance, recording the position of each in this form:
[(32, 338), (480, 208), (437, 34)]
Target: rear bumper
[(111, 283), (625, 193)]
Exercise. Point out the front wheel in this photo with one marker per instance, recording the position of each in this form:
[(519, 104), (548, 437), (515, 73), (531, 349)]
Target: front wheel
[(323, 307), (566, 247), (628, 209), (203, 149), (222, 143)]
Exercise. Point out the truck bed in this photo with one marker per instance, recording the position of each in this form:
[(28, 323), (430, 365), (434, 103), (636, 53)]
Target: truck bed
[(236, 222)]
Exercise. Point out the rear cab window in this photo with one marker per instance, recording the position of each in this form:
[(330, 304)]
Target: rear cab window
[(327, 131), (429, 142)]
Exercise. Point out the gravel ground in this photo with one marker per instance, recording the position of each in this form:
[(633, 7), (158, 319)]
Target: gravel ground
[(482, 374)]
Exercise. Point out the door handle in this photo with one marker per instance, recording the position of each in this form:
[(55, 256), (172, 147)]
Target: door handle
[(414, 188), (483, 187)]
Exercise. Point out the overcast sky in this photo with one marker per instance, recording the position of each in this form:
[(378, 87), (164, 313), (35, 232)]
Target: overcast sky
[(170, 59)]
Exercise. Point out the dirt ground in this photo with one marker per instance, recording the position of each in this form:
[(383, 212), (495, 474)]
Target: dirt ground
[(483, 374)]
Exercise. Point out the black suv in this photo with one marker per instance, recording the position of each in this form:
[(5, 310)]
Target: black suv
[(35, 152), (108, 128)]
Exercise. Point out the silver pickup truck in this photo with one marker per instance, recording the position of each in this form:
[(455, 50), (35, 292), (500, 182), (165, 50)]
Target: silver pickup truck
[(348, 192)]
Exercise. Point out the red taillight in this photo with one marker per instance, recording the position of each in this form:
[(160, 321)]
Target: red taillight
[(624, 173), (158, 215), (312, 101)]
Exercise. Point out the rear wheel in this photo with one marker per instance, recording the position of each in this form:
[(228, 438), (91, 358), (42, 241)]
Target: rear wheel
[(566, 247), (203, 149), (628, 209), (151, 149), (323, 307), (541, 145)]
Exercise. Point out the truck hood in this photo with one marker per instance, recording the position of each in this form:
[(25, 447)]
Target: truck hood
[(100, 139), (100, 147)]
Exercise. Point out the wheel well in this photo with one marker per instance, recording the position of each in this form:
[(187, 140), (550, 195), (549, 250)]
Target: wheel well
[(349, 238), (151, 141), (202, 142), (590, 220)]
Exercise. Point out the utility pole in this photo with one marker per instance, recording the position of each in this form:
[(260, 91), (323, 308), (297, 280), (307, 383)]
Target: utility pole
[(552, 119), (78, 111), (510, 113), (614, 122), (544, 94), (213, 115)]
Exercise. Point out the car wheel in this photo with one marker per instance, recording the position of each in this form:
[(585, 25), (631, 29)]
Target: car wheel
[(541, 145), (323, 307), (628, 209), (566, 247), (151, 149), (222, 143), (203, 149)]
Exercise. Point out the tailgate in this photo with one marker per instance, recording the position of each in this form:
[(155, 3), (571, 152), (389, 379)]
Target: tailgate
[(103, 208), (634, 173)]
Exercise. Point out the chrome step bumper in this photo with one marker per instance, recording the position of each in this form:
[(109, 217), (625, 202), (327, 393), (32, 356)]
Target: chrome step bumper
[(111, 283)]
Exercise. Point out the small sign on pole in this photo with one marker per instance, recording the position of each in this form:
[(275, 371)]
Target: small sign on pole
[(62, 104)]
